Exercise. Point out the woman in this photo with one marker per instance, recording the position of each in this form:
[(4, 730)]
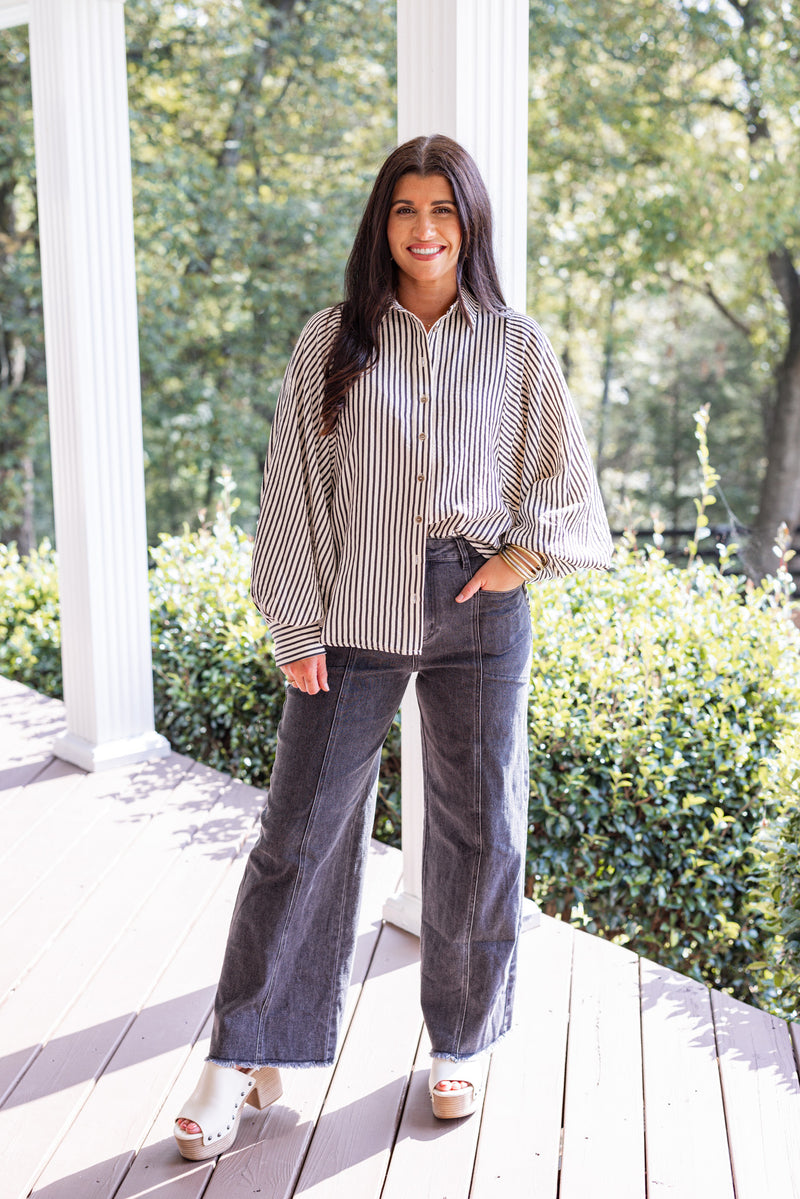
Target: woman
[(425, 462)]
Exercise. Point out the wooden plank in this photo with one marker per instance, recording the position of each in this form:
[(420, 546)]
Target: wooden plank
[(119, 1110), (10, 689), (25, 817), (431, 1157), (158, 1168), (28, 722), (55, 1087), (762, 1099), (97, 825), (520, 1141), (90, 825), (603, 1152), (350, 1149), (31, 1014), (271, 1145), (105, 812), (14, 779), (682, 1092), (66, 799)]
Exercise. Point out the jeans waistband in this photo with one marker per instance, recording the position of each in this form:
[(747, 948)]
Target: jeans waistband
[(450, 549)]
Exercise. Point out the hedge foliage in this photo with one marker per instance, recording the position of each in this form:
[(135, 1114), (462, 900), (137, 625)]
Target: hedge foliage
[(776, 882), (660, 700)]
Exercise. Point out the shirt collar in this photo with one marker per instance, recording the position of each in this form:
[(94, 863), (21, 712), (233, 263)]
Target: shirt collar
[(464, 303), (470, 306)]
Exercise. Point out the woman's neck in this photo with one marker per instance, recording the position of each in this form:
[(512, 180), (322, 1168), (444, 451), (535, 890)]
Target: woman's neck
[(426, 303)]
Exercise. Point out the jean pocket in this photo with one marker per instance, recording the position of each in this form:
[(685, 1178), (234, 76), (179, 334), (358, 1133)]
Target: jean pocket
[(505, 631), (501, 600)]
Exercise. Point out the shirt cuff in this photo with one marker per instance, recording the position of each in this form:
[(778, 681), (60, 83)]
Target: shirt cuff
[(293, 642)]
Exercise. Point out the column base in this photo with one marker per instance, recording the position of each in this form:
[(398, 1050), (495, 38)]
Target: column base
[(90, 757), (405, 911)]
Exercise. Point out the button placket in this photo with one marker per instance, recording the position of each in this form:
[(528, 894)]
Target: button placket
[(420, 491)]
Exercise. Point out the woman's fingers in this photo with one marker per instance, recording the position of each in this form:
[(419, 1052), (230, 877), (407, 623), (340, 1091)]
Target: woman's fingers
[(322, 673), (469, 590), (308, 674), (494, 575)]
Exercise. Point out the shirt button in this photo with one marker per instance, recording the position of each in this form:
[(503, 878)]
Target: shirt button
[(423, 436), (423, 399), (418, 520), (420, 478)]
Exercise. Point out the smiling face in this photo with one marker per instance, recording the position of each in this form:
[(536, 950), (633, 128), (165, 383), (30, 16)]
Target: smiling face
[(424, 233)]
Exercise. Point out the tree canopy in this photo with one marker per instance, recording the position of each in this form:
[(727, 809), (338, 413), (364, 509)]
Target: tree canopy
[(664, 163), (664, 237)]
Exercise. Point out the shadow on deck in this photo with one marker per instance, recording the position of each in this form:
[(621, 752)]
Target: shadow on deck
[(620, 1079)]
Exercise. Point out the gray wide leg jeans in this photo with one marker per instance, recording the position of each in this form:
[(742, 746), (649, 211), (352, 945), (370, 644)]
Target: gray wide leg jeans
[(292, 937)]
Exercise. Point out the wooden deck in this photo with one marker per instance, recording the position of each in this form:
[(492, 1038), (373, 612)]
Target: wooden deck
[(622, 1079)]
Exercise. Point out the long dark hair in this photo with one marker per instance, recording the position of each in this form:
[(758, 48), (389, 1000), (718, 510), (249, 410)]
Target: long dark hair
[(369, 279)]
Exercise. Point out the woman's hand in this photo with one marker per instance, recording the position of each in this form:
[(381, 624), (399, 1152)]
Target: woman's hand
[(308, 674), (494, 575)]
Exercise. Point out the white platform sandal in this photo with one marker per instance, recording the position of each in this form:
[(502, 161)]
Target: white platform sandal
[(451, 1105), (216, 1104)]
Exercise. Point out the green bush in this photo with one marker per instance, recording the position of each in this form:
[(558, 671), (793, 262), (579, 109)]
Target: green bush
[(659, 696), (776, 881), (218, 692), (30, 633)]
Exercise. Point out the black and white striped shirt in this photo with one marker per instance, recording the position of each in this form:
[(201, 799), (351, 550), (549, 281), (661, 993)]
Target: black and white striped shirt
[(468, 431)]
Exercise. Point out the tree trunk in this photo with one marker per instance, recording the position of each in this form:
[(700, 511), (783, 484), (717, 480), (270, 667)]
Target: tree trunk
[(780, 491)]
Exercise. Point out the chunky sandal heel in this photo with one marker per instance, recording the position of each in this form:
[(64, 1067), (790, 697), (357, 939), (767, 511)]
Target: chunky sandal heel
[(216, 1104), (267, 1089), (452, 1105)]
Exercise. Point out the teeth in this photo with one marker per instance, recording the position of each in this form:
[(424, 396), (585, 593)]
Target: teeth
[(426, 253)]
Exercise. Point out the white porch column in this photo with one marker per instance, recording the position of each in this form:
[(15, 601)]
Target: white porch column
[(462, 70), (80, 106)]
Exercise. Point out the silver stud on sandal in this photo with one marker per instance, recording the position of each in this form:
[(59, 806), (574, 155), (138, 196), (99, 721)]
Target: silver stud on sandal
[(216, 1104)]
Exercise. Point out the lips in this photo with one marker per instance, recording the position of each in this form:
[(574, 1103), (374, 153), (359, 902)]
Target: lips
[(425, 251)]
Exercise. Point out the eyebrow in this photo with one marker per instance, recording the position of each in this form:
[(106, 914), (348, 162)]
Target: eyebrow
[(433, 202)]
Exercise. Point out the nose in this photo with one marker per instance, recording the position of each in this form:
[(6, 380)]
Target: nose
[(424, 226)]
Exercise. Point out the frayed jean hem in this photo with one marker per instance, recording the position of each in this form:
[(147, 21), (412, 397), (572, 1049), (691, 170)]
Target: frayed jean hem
[(218, 1061), (471, 1057)]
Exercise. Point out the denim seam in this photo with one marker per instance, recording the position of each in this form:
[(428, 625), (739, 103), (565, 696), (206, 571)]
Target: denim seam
[(354, 828), (301, 864), (477, 785)]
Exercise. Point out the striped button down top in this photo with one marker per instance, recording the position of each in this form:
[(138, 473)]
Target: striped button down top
[(468, 431)]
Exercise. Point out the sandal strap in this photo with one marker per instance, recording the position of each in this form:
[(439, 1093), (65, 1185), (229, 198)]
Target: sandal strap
[(445, 1070), (215, 1102)]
